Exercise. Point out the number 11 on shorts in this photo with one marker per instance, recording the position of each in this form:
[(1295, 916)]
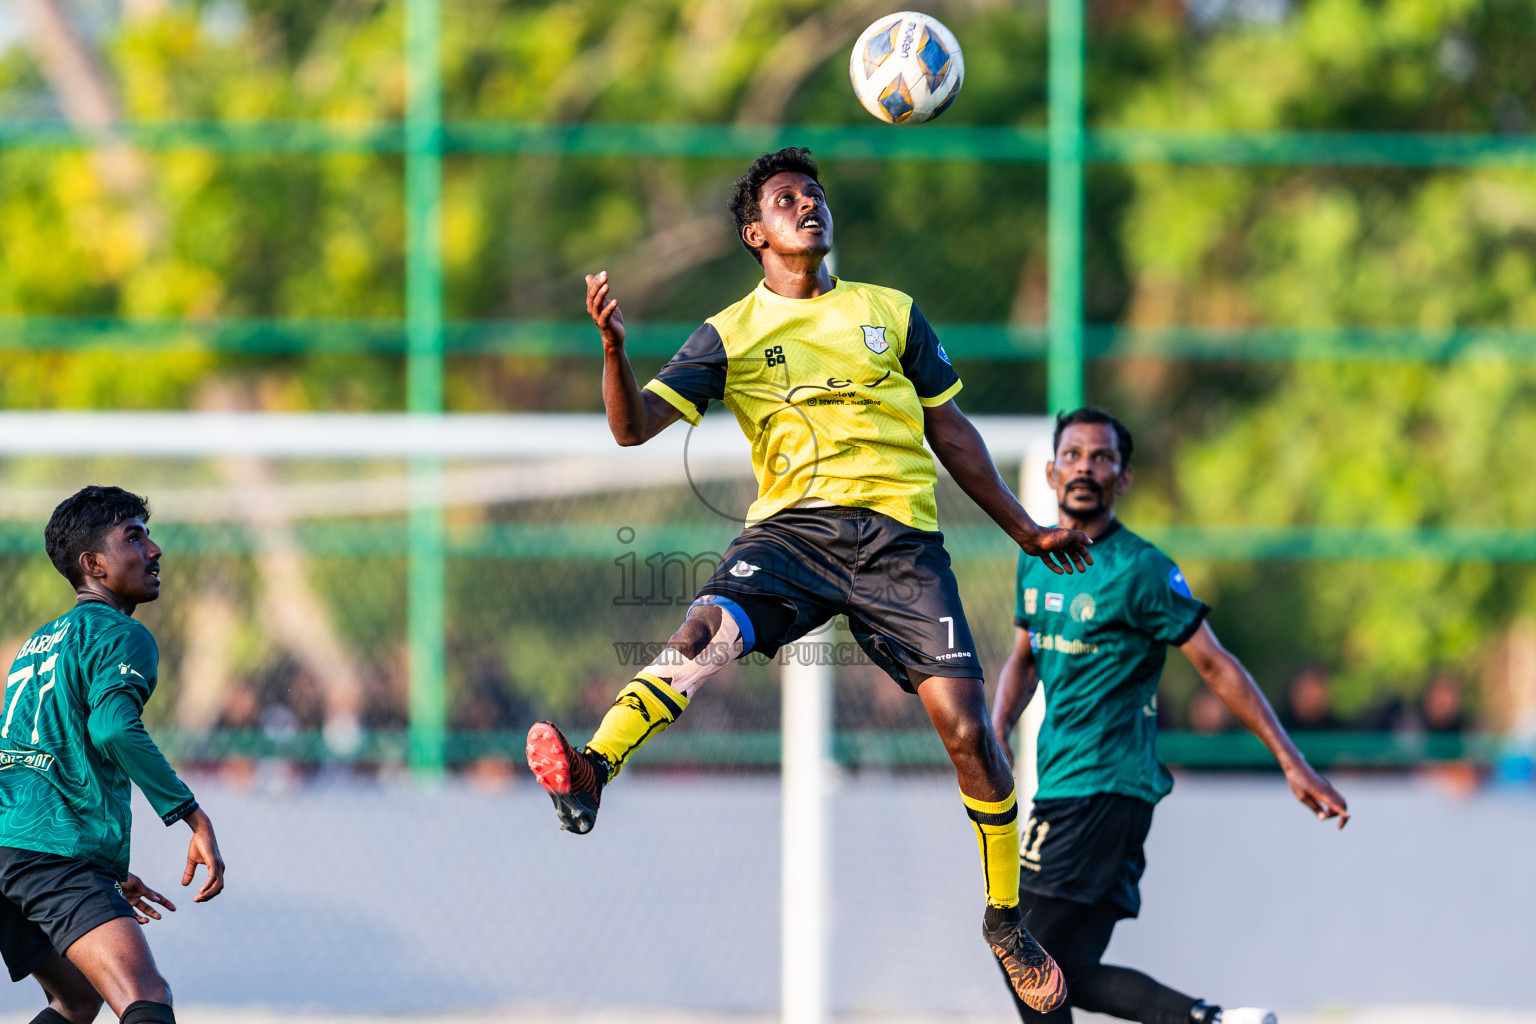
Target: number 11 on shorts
[(949, 620)]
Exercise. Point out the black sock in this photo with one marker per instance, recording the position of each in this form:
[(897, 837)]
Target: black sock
[(146, 1012), (1203, 1013), (48, 1015), (1129, 995)]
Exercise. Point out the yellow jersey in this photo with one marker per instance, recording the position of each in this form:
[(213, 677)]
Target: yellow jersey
[(830, 392)]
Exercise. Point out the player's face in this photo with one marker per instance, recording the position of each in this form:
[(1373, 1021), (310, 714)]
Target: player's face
[(130, 561), (1087, 475), (795, 219)]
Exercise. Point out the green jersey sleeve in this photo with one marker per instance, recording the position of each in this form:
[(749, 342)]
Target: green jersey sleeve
[(1163, 607), (122, 677)]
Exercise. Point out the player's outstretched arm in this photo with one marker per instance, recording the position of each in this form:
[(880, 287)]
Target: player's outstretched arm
[(116, 728), (1234, 687), (958, 444), (204, 850), (634, 416), (1015, 686)]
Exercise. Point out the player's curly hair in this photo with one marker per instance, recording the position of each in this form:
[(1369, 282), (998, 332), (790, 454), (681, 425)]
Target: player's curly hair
[(1093, 414), (747, 196), (80, 520)]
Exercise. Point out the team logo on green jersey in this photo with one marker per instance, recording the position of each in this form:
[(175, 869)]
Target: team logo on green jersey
[(1083, 608)]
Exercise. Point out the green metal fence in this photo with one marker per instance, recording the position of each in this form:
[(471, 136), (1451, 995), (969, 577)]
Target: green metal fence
[(1066, 144)]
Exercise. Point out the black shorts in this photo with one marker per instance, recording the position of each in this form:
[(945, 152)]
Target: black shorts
[(1087, 849), (796, 569), (48, 901)]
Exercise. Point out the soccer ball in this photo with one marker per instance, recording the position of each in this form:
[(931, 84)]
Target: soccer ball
[(906, 68)]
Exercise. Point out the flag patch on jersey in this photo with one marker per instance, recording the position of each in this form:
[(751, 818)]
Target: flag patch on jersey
[(874, 339), (1053, 602)]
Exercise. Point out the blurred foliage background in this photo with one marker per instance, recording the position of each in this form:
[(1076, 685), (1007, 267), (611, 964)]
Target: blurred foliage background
[(197, 235)]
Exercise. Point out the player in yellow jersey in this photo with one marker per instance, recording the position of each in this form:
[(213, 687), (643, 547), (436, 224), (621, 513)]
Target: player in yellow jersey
[(836, 385)]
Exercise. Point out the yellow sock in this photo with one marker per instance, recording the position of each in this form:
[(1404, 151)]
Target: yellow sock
[(997, 833), (644, 707)]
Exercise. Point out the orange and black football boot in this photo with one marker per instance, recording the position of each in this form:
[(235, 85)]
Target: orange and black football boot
[(574, 779), (1031, 971)]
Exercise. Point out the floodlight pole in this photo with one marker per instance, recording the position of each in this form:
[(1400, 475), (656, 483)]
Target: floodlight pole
[(427, 616), (1065, 366), (805, 877)]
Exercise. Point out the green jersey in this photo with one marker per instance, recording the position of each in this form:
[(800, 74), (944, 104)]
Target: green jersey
[(1100, 639), (72, 739)]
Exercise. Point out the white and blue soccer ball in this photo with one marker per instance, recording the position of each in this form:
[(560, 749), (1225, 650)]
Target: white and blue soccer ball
[(906, 68)]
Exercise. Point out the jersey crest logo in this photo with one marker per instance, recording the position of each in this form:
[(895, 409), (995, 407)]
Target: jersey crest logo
[(1083, 608), (874, 339), (744, 568)]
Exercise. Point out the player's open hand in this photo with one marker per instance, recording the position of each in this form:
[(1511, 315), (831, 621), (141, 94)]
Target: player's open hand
[(604, 311), (140, 897), (1316, 792), (1062, 550), (204, 850)]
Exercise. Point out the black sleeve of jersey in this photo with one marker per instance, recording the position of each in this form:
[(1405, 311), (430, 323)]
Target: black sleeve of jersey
[(924, 360), (1193, 628), (697, 372)]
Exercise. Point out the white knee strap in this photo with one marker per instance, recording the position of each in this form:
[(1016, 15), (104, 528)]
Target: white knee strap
[(686, 675)]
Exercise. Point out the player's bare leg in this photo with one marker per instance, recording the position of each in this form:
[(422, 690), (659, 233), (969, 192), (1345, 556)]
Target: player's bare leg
[(958, 710), (70, 994), (115, 959)]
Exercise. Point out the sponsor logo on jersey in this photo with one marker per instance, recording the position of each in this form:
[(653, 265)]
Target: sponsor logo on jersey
[(1177, 583), (874, 339), (1053, 602), (942, 354), (1031, 600), (1061, 645), (744, 568), (1083, 608), (124, 669), (26, 759)]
